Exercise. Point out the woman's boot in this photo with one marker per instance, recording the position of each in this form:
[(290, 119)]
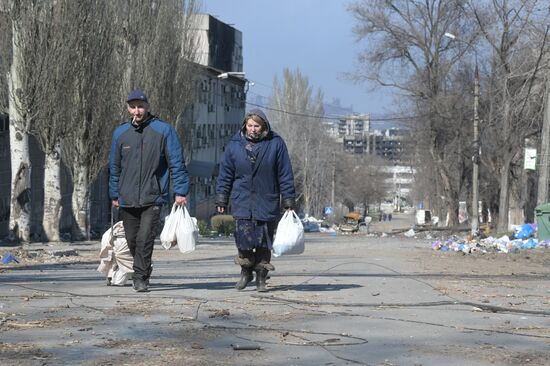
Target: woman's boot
[(263, 266), (261, 275), (246, 260), (246, 278)]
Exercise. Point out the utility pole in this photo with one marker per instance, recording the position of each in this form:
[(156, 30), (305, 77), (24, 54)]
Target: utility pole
[(544, 173), (476, 144), (333, 183), (475, 158)]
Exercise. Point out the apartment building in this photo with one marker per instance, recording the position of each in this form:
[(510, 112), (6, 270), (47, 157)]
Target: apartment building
[(218, 110)]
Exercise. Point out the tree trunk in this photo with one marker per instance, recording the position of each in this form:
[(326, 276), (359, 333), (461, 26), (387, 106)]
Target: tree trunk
[(52, 195), (451, 197), (20, 203), (504, 199), (305, 183), (80, 197)]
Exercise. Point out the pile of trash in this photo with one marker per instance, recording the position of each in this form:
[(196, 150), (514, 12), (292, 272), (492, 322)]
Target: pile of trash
[(311, 224), (523, 238)]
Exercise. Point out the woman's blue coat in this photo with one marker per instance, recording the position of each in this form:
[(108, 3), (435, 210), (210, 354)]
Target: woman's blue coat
[(256, 191)]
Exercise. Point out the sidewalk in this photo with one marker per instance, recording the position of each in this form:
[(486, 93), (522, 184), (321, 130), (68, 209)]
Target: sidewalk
[(348, 300), (400, 221)]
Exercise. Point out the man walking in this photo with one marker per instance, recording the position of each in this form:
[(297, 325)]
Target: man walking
[(145, 154)]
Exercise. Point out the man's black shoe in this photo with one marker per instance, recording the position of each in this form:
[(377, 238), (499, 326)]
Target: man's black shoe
[(140, 285)]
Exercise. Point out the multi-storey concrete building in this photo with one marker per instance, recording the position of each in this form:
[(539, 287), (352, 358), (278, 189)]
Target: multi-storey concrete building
[(387, 143), (352, 132), (219, 108)]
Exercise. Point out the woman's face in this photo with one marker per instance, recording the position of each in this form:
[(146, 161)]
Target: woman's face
[(253, 128)]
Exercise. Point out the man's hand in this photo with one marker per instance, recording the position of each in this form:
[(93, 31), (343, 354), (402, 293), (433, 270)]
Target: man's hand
[(181, 200), (115, 203), (221, 209)]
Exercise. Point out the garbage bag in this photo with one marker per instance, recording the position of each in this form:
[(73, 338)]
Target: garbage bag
[(289, 238), (524, 231)]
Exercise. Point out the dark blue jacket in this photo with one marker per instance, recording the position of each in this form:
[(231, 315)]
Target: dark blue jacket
[(141, 161), (256, 191)]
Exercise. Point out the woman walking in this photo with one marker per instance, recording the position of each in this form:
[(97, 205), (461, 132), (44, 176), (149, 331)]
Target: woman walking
[(256, 174)]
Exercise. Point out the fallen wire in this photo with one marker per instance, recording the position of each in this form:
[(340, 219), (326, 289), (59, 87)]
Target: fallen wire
[(484, 330), (312, 343), (294, 331), (491, 308)]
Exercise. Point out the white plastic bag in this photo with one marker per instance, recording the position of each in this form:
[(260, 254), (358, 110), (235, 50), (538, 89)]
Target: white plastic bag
[(289, 238), (168, 234), (187, 231)]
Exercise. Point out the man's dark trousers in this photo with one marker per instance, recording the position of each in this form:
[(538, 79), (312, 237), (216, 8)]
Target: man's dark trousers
[(140, 226)]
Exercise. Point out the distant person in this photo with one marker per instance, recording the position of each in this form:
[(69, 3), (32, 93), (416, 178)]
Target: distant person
[(384, 217), (255, 172), (389, 216), (145, 154)]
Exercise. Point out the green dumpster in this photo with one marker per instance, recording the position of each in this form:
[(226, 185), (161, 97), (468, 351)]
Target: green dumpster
[(542, 212)]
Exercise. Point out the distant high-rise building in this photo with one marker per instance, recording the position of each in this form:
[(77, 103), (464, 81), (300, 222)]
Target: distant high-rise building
[(387, 143), (352, 132)]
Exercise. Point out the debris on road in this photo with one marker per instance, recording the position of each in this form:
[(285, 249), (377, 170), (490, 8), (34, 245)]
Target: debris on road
[(8, 258), (496, 245)]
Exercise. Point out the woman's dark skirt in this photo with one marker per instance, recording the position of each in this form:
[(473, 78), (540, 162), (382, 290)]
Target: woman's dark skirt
[(251, 234)]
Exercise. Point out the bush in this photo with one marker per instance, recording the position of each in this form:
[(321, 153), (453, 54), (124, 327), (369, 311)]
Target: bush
[(203, 227), (227, 228), (223, 224)]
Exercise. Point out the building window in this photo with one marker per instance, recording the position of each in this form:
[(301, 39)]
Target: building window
[(4, 123)]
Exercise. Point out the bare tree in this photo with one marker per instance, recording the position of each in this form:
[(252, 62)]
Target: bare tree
[(57, 31), (514, 108), (408, 50), (361, 180), (161, 51), (95, 100), (163, 54), (25, 79), (296, 114)]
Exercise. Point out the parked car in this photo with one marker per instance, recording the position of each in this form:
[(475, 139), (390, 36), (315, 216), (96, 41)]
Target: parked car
[(352, 222)]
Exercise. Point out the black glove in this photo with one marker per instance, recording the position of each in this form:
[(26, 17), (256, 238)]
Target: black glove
[(288, 203), (221, 201)]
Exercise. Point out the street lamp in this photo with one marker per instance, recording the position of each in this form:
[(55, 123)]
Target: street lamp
[(476, 144), (237, 74)]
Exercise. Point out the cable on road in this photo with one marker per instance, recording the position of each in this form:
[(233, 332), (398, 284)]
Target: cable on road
[(491, 308)]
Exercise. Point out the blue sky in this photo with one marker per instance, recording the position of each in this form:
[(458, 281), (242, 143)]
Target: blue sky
[(312, 35)]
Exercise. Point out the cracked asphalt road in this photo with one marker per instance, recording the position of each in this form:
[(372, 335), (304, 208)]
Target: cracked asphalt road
[(348, 300)]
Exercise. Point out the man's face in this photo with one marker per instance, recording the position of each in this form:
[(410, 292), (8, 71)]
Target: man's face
[(138, 110)]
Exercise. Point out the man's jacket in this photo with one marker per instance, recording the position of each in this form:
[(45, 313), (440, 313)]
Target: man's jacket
[(141, 161)]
